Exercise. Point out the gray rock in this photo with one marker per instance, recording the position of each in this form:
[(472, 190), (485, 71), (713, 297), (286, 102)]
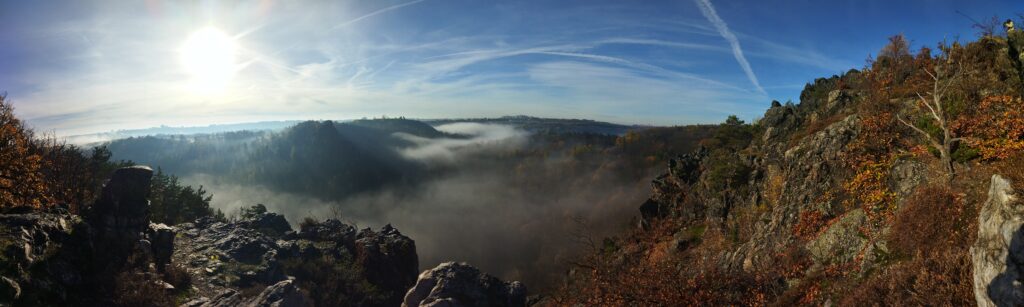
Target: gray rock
[(282, 294), (459, 284), (268, 223), (998, 253), (841, 242), (905, 176)]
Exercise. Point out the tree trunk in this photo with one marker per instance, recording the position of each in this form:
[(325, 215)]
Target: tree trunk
[(947, 160)]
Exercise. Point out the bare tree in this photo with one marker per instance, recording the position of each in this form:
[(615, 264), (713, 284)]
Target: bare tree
[(941, 79), (581, 233)]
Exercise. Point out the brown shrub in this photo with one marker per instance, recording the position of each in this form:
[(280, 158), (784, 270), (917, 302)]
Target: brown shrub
[(939, 279), (932, 231), (933, 218)]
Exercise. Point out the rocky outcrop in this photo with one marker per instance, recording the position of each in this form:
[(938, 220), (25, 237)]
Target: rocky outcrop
[(458, 284), (121, 215), (269, 223), (388, 258), (671, 191), (53, 257), (56, 258), (44, 258), (225, 257), (998, 253), (808, 170)]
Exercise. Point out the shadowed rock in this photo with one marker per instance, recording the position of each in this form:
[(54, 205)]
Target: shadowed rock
[(121, 215), (460, 284)]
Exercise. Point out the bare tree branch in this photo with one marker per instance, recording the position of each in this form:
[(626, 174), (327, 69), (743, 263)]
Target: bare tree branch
[(926, 134)]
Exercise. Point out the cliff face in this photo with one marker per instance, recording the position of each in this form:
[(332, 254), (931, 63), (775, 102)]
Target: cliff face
[(790, 170)]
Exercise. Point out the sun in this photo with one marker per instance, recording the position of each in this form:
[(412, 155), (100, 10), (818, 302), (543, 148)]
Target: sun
[(208, 55)]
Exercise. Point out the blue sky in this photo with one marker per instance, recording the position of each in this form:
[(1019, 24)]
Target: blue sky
[(79, 67)]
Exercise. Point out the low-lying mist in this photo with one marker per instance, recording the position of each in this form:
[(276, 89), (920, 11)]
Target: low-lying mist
[(497, 204)]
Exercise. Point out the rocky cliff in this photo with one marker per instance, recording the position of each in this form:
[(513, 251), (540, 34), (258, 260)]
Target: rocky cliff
[(799, 208)]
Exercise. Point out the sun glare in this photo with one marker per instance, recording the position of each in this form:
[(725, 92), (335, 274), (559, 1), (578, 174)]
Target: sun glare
[(208, 55)]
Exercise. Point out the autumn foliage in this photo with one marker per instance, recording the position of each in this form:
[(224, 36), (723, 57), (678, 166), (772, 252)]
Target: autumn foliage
[(21, 176), (995, 127)]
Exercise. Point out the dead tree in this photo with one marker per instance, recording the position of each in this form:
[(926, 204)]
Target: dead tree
[(941, 80)]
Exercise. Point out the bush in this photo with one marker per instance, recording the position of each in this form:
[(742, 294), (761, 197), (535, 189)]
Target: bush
[(334, 282), (134, 288), (933, 218), (178, 276), (308, 223), (939, 279)]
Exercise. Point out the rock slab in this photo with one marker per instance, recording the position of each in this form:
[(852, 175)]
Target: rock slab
[(998, 253), (453, 284)]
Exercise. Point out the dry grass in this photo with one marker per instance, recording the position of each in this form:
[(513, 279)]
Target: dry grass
[(133, 288)]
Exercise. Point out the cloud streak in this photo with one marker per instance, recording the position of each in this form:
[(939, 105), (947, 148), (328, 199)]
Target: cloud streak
[(377, 12), (709, 12)]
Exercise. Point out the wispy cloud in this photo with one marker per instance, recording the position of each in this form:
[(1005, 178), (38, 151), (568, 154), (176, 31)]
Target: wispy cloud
[(119, 68), (377, 12), (709, 12)]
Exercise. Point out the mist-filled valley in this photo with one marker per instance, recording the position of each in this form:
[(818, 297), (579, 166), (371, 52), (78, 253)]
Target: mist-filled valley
[(516, 196)]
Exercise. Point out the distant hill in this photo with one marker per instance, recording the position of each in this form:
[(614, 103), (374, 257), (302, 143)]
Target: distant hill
[(555, 125), (88, 139), (323, 159), (421, 128)]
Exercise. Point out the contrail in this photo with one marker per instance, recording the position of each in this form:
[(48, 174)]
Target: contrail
[(709, 12), (377, 12)]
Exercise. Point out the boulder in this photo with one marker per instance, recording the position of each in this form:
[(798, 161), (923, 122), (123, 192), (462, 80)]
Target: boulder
[(998, 253), (459, 284), (162, 244), (906, 175), (841, 242)]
